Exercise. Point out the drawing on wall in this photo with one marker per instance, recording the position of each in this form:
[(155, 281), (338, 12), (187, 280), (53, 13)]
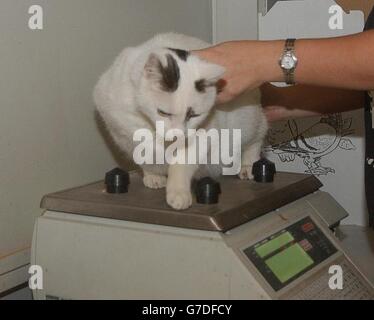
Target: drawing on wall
[(312, 143)]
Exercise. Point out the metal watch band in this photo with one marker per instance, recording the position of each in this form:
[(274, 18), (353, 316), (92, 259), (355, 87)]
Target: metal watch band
[(290, 77), (290, 74), (290, 45)]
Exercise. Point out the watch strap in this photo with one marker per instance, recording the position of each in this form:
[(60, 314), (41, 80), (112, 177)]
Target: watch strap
[(290, 45), (290, 74)]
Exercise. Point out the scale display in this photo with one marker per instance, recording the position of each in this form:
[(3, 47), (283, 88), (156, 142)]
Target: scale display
[(286, 255)]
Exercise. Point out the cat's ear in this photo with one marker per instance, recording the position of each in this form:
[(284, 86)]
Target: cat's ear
[(152, 68), (212, 73), (165, 77), (211, 76)]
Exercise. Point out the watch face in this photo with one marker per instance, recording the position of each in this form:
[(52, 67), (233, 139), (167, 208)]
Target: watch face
[(288, 62)]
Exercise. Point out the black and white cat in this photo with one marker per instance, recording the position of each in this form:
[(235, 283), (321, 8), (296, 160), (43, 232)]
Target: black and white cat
[(160, 80)]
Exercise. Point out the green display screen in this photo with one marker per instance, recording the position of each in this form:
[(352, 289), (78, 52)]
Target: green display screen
[(289, 262), (275, 244)]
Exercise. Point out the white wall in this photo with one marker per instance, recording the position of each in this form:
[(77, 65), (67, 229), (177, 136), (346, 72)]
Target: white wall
[(49, 138), (234, 20)]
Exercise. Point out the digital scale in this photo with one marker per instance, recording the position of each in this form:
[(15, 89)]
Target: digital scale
[(260, 241)]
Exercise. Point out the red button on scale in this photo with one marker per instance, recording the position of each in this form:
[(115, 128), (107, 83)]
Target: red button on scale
[(307, 227)]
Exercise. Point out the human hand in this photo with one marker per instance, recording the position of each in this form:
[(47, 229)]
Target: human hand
[(248, 65)]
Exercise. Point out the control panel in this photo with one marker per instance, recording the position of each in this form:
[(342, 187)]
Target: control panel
[(293, 251), (286, 255)]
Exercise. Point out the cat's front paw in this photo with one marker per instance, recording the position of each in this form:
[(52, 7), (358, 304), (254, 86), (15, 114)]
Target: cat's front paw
[(154, 181), (179, 200), (246, 173)]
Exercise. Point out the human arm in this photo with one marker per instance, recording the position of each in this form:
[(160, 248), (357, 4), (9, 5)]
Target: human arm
[(342, 62), (303, 101)]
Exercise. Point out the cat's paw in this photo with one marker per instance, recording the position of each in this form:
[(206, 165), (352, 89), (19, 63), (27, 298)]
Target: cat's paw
[(179, 200), (246, 173), (154, 181)]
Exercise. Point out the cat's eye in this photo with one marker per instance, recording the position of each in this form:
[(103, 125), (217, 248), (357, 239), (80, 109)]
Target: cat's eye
[(195, 115), (163, 113)]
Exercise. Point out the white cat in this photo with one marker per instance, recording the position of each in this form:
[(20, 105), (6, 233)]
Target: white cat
[(161, 80)]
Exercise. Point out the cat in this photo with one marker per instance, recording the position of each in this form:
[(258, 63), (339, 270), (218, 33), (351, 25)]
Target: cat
[(161, 80)]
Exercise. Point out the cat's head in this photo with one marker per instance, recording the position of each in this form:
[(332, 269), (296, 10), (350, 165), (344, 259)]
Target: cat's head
[(178, 88)]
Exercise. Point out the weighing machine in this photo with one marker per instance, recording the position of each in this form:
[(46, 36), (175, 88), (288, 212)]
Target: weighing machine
[(260, 241)]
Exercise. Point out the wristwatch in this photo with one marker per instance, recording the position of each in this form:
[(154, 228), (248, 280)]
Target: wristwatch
[(288, 61)]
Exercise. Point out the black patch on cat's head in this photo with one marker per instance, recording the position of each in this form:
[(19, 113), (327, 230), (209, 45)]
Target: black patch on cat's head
[(170, 74), (167, 77), (182, 54), (200, 85)]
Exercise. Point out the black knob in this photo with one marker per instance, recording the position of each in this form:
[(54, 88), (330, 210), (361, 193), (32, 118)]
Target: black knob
[(117, 181), (207, 191), (263, 171)]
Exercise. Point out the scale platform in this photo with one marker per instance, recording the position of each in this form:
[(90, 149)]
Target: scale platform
[(240, 201)]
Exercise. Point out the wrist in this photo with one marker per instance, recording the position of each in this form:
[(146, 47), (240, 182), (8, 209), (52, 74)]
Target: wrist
[(268, 69)]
